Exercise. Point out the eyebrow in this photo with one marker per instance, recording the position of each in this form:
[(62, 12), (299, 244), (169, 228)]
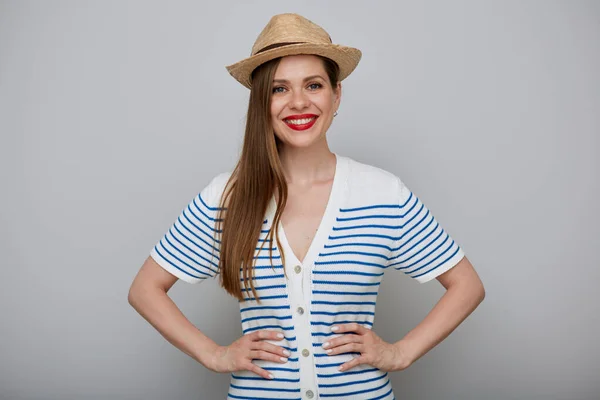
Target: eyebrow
[(308, 78)]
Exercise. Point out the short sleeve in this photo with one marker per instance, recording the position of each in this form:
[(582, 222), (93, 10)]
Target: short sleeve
[(422, 249), (190, 249)]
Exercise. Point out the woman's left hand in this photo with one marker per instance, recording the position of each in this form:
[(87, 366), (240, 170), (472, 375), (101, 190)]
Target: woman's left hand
[(373, 350)]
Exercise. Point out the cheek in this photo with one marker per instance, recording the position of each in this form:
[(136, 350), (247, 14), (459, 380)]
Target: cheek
[(325, 102), (275, 121), (276, 107)]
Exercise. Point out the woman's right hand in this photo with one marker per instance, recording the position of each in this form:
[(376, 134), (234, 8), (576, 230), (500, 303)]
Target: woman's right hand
[(238, 355)]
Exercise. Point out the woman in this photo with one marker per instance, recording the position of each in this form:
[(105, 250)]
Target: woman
[(302, 236)]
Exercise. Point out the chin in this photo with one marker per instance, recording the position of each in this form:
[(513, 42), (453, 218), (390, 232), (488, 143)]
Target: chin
[(299, 140)]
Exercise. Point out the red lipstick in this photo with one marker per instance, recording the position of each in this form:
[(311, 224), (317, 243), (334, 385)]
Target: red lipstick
[(300, 127)]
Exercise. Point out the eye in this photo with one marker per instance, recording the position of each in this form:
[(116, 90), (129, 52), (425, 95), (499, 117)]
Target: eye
[(315, 86), (276, 89)]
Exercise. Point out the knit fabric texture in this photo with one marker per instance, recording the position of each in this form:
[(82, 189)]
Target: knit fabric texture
[(372, 223)]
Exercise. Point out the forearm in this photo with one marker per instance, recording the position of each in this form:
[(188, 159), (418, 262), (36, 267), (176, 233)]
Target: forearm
[(163, 314), (457, 303)]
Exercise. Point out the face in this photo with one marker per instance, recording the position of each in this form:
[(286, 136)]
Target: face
[(303, 101)]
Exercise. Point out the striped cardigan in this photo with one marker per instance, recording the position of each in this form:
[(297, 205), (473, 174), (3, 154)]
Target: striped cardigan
[(372, 222)]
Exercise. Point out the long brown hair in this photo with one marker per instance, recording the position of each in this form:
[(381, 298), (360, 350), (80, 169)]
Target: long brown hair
[(253, 181)]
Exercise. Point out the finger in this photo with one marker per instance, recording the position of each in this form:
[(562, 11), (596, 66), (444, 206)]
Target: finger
[(271, 348), (264, 334), (346, 348), (258, 370), (265, 355), (344, 339), (352, 363), (351, 327)]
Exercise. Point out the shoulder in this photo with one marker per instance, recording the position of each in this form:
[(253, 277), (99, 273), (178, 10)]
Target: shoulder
[(367, 173), (372, 182), (211, 193)]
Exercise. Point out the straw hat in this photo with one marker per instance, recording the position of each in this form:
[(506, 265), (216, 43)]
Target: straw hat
[(290, 34)]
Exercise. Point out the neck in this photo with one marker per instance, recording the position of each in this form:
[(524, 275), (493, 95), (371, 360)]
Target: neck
[(307, 165)]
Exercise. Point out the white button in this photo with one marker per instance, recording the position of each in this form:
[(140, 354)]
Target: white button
[(310, 394), (297, 269), (300, 310), (305, 352)]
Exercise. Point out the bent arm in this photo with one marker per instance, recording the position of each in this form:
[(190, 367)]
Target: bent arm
[(148, 296), (464, 292)]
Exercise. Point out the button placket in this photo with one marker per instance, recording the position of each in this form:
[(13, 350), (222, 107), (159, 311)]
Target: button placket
[(300, 290), (296, 282)]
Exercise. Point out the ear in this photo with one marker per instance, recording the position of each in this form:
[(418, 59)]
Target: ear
[(338, 95)]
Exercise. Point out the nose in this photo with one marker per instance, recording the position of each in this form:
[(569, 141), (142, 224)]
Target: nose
[(299, 100)]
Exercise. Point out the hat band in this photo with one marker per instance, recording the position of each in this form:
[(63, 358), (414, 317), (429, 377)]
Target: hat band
[(275, 45)]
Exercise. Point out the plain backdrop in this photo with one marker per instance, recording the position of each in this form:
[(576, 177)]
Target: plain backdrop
[(114, 114)]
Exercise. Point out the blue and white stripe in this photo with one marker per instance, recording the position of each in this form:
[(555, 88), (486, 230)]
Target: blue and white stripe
[(375, 224)]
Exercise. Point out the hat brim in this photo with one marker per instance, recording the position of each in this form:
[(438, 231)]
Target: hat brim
[(347, 59)]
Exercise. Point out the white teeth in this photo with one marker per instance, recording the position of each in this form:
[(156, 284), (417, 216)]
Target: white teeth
[(299, 121)]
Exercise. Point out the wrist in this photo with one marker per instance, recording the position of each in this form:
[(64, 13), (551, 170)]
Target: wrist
[(208, 356), (404, 355)]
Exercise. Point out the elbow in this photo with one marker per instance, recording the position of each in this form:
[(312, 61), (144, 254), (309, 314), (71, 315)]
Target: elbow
[(133, 297), (480, 293), (142, 294)]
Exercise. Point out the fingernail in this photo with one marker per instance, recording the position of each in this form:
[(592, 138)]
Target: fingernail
[(325, 345), (340, 368), (283, 359), (335, 328), (270, 376), (287, 353), (328, 351), (280, 335)]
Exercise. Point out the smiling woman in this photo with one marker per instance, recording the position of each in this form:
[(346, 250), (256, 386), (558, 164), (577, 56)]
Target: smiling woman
[(302, 236), (306, 84)]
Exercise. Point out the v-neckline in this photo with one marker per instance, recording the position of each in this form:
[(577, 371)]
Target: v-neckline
[(327, 220)]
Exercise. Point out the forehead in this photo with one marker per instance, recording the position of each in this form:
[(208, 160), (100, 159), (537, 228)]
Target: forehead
[(299, 66)]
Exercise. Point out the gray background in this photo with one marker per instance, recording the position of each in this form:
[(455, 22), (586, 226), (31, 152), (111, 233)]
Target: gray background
[(115, 114)]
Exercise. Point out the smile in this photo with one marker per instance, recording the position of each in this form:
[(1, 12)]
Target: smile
[(300, 124)]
